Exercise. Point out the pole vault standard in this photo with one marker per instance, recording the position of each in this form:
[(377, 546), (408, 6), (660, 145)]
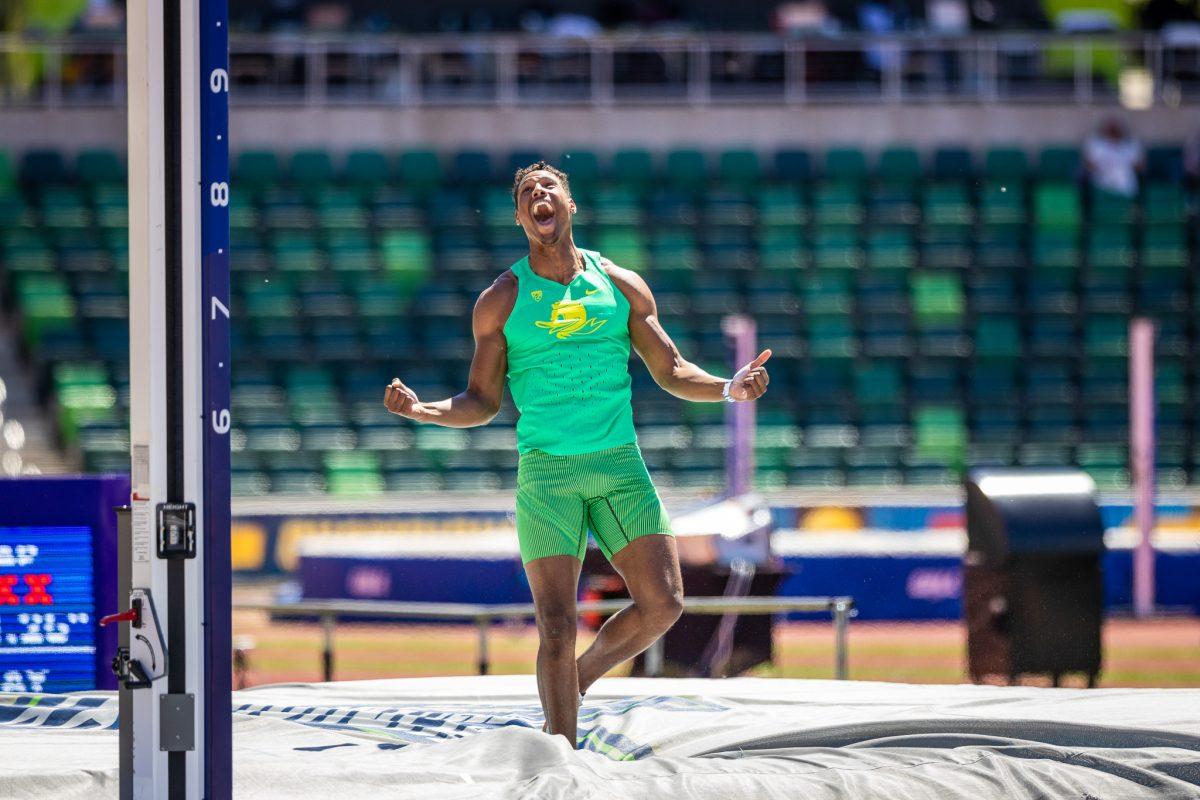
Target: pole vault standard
[(176, 672)]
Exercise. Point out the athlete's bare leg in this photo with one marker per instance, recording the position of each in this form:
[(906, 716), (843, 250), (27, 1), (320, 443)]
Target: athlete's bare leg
[(650, 567), (554, 581)]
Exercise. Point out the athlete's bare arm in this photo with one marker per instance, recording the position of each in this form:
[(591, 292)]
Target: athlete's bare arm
[(485, 385), (670, 369)]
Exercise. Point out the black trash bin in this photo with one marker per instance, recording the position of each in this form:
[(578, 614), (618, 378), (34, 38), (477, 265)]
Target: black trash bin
[(1033, 586)]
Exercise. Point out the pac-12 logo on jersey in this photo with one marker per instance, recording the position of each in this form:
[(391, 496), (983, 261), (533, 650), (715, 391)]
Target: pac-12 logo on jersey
[(569, 318)]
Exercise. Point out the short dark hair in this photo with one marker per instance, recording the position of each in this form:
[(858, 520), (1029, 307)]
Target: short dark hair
[(523, 173)]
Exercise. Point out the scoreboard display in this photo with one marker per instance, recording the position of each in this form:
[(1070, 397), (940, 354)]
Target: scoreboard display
[(58, 576), (47, 610)]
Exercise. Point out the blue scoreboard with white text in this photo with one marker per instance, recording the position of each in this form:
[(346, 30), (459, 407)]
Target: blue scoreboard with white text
[(58, 576)]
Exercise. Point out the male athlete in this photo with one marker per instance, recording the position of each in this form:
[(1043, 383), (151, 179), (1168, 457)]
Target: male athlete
[(559, 324)]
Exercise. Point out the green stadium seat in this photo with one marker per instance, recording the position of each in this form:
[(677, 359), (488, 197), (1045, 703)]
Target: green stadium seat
[(340, 211), (1005, 164), (937, 298), (739, 168), (1111, 209), (256, 170), (1002, 204), (1106, 336), (472, 167), (43, 166), (419, 170), (846, 164), (99, 167), (310, 169), (899, 165), (997, 337), (890, 249), (626, 246), (953, 164), (1110, 247), (837, 249), (940, 432), (583, 169), (781, 206), (686, 170), (879, 382), (46, 306), (8, 178), (367, 169), (1164, 204), (1059, 163), (793, 165), (633, 168), (948, 204), (838, 204), (893, 204), (782, 249), (1056, 205), (1164, 163), (831, 337)]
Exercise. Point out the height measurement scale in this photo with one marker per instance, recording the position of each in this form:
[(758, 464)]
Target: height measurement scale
[(175, 672), (214, 250)]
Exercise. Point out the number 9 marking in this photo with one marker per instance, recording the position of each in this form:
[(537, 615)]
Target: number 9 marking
[(221, 421)]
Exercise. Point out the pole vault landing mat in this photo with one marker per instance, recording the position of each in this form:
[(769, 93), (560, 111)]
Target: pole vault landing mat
[(479, 737)]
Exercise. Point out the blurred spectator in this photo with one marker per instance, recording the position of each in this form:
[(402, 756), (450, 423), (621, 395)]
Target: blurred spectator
[(803, 16), (573, 26), (103, 15), (947, 16), (327, 17), (1113, 158)]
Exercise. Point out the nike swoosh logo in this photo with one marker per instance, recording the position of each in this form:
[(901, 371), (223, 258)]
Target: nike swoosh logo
[(590, 292)]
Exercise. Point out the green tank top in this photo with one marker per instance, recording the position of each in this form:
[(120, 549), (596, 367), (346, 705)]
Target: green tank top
[(568, 361)]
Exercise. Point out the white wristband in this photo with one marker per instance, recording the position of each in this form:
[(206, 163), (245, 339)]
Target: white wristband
[(725, 391)]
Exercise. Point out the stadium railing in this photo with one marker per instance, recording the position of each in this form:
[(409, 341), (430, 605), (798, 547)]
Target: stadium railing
[(695, 69), (329, 612)]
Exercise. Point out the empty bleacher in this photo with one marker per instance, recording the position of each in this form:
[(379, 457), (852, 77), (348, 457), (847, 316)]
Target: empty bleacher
[(927, 310)]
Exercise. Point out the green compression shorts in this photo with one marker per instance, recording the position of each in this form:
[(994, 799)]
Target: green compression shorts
[(559, 498)]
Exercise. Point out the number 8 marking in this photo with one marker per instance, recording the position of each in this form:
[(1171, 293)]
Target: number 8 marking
[(219, 194)]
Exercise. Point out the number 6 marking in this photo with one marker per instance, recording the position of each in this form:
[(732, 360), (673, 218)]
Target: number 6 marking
[(220, 421)]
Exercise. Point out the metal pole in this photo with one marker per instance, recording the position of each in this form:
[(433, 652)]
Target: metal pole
[(841, 615), (1141, 454), (654, 659), (124, 695), (328, 621), (483, 623), (739, 459)]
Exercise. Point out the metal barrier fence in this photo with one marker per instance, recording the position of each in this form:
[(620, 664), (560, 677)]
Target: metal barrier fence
[(1140, 69), (328, 612)]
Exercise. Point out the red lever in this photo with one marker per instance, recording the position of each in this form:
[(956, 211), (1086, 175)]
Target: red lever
[(133, 615)]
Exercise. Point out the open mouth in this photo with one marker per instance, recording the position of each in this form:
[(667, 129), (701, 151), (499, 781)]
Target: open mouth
[(542, 212)]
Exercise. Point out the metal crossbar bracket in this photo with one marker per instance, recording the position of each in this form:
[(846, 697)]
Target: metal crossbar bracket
[(177, 723)]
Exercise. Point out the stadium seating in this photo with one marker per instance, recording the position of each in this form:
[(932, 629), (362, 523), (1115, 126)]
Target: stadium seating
[(928, 311)]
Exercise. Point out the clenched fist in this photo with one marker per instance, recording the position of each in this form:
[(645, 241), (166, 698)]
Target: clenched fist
[(399, 399)]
